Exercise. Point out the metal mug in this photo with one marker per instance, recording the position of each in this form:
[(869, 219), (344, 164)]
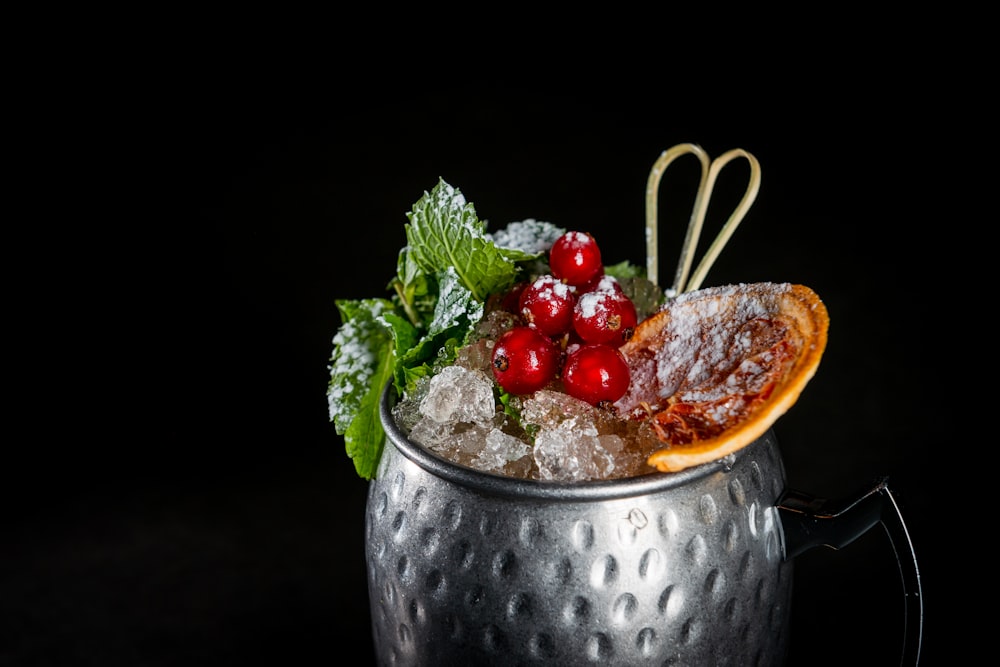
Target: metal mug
[(689, 568)]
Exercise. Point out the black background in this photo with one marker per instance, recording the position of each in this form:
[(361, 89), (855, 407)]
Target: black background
[(182, 498)]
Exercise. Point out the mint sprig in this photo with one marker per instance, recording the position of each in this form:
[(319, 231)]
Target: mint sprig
[(444, 233), (359, 367), (444, 275)]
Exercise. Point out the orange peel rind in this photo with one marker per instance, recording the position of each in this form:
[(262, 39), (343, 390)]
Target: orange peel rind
[(715, 368)]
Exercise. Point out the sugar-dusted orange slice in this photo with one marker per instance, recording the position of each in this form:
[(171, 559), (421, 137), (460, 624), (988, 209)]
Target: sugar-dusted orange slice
[(715, 368)]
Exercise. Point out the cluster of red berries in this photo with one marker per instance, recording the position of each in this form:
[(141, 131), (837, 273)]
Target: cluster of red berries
[(574, 321)]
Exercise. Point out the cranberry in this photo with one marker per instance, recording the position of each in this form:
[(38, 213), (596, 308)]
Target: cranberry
[(605, 316), (547, 304), (596, 373), (575, 258), (509, 300), (525, 360), (601, 283)]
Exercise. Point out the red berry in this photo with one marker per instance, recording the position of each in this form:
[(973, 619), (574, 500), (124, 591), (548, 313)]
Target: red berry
[(601, 283), (525, 360), (605, 316), (597, 374), (511, 300), (547, 304), (575, 258)]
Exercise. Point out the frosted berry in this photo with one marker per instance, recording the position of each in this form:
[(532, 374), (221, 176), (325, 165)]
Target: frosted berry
[(575, 258), (510, 301), (605, 316), (601, 283), (525, 360), (547, 304), (596, 373)]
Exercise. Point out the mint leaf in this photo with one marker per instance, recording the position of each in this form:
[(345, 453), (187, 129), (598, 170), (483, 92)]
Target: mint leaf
[(625, 269), (526, 239), (455, 314), (365, 437), (456, 307), (360, 366), (359, 348), (445, 232), (416, 290), (444, 275)]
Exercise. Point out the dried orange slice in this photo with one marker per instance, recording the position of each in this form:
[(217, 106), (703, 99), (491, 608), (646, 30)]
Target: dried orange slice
[(715, 368)]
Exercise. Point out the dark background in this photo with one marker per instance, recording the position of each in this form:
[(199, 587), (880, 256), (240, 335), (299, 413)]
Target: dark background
[(182, 498)]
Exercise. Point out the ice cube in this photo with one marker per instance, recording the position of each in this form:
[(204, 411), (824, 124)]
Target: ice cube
[(459, 394), (576, 441), (477, 355), (498, 450), (574, 452)]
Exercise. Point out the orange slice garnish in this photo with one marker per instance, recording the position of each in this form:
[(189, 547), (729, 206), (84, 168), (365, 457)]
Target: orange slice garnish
[(715, 368)]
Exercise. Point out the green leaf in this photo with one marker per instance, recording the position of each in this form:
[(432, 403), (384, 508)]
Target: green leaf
[(404, 334), (625, 269), (361, 346), (444, 232), (365, 437), (360, 365), (443, 277), (456, 305), (455, 314), (406, 339), (416, 291), (526, 240)]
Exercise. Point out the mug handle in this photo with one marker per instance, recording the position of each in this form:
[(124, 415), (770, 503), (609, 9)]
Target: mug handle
[(809, 522)]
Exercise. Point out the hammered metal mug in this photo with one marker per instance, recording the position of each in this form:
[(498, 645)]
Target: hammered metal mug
[(688, 568)]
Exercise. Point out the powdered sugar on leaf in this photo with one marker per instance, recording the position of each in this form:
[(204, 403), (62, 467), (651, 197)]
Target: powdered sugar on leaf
[(357, 348)]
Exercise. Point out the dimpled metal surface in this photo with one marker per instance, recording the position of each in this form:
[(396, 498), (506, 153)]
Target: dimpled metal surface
[(670, 569)]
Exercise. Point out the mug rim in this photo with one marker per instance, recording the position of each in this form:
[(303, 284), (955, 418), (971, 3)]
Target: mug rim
[(495, 484)]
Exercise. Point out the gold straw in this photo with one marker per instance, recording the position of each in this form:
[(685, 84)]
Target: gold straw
[(709, 174), (652, 223)]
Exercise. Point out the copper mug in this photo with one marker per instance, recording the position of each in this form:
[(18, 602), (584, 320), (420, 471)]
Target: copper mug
[(688, 568)]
